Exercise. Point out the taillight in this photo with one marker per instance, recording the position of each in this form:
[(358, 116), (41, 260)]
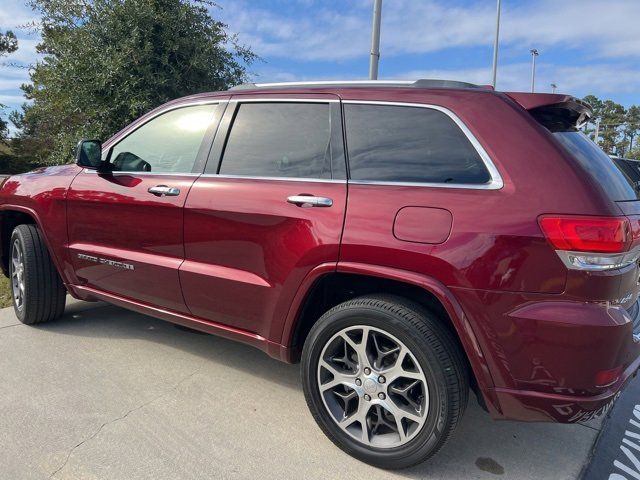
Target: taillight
[(588, 234), (590, 243)]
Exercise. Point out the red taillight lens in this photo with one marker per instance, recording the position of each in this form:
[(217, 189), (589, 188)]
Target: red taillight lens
[(588, 234), (607, 378)]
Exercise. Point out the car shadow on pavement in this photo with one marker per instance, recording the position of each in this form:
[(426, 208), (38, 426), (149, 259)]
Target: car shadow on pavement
[(99, 319), (480, 447)]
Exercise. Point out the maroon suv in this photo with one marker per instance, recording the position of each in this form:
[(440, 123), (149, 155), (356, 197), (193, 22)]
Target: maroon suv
[(407, 241)]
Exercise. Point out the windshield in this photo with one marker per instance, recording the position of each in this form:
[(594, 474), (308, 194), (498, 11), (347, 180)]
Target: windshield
[(619, 183)]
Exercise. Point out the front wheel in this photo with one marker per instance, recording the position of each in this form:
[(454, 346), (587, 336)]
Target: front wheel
[(37, 290), (385, 380)]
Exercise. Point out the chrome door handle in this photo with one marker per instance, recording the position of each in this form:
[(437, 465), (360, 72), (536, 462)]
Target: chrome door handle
[(164, 191), (310, 201)]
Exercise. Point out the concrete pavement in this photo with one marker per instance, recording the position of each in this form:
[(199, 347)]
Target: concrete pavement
[(104, 393)]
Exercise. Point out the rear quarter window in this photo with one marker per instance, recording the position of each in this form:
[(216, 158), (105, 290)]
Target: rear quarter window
[(409, 144), (619, 183)]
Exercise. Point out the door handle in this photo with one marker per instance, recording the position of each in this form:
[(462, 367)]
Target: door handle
[(164, 191), (306, 201)]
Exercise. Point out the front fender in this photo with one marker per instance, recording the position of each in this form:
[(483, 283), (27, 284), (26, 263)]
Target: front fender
[(55, 255)]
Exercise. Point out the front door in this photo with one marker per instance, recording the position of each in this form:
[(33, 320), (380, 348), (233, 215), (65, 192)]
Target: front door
[(126, 227), (269, 208)]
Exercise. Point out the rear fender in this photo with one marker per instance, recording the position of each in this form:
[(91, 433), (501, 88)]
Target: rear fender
[(438, 290)]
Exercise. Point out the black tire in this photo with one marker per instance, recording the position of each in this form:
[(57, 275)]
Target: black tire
[(431, 344), (44, 293)]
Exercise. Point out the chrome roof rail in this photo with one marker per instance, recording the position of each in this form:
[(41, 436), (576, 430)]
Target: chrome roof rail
[(422, 83)]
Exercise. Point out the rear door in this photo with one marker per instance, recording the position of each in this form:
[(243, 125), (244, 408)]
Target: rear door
[(269, 208), (126, 227)]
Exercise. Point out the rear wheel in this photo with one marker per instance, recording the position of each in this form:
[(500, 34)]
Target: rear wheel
[(385, 380), (37, 290)]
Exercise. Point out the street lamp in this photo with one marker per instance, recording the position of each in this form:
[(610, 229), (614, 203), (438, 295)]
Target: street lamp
[(534, 54), (375, 40), (495, 46), (553, 87)]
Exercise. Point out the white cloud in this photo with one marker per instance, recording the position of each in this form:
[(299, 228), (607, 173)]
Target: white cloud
[(26, 52), (12, 77), (11, 100), (606, 28), (15, 13), (580, 80), (15, 16)]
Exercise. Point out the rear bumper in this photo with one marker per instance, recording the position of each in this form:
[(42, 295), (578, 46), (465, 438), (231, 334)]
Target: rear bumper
[(544, 407), (547, 353)]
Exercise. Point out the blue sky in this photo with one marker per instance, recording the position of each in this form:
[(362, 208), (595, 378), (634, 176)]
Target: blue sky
[(586, 46)]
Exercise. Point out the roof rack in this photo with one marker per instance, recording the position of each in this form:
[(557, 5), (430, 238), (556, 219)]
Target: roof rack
[(422, 83)]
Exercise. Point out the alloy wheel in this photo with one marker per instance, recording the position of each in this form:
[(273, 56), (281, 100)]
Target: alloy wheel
[(373, 387), (17, 274)]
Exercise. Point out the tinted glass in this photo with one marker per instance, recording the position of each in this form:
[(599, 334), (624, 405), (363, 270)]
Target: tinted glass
[(279, 140), (167, 144), (409, 144), (618, 184), (630, 169)]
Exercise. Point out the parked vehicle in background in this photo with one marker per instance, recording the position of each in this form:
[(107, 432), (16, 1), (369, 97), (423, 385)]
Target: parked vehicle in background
[(408, 242)]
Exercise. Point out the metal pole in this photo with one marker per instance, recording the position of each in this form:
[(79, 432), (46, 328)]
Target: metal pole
[(553, 87), (495, 46), (375, 40), (534, 54)]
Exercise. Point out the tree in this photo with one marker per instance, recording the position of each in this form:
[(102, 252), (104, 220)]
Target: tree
[(632, 124), (634, 153), (596, 106), (106, 62), (8, 44), (612, 116)]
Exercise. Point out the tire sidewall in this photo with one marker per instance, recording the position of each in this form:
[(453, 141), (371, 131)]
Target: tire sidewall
[(427, 440)]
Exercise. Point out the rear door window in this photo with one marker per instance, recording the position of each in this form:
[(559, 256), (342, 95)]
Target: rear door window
[(392, 143), (290, 140)]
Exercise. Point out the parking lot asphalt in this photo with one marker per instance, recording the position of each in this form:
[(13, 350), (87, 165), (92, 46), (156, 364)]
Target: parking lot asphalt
[(104, 393)]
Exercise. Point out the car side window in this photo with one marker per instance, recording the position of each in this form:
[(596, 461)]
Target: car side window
[(409, 144), (279, 140), (168, 143)]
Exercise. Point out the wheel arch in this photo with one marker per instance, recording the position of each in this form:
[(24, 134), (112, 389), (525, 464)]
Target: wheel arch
[(10, 217), (349, 280)]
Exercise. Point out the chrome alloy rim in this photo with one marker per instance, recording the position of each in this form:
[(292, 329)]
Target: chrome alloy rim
[(17, 274), (373, 387)]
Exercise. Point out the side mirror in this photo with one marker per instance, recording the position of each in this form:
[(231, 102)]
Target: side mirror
[(89, 154)]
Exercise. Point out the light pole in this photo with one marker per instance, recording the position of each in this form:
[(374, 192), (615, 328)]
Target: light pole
[(495, 46), (534, 54), (375, 40), (553, 87)]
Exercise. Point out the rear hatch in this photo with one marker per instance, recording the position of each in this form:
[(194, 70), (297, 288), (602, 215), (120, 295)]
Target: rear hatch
[(563, 116)]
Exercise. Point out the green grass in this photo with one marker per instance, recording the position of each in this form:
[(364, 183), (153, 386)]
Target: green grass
[(5, 292)]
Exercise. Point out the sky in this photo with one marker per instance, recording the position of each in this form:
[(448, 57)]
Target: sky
[(586, 46)]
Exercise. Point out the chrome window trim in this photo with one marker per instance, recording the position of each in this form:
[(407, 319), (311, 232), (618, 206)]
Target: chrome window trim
[(277, 179), (264, 98), (496, 182), (133, 172)]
